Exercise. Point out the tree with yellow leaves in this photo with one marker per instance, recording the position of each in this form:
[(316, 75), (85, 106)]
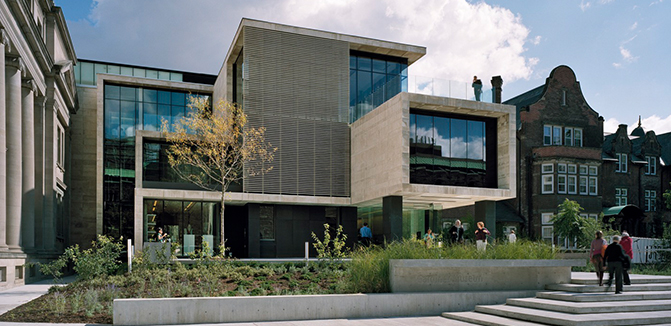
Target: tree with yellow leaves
[(214, 149)]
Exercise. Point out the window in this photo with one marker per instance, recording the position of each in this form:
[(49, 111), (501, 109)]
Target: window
[(593, 185), (373, 80), (547, 135), (60, 143), (594, 216), (547, 168), (548, 184), (593, 170), (650, 200), (577, 137), (561, 184), (583, 185), (561, 168), (651, 168), (547, 232), (620, 196), (563, 97), (568, 136), (546, 218), (583, 169), (572, 181), (571, 168), (556, 135), (621, 163)]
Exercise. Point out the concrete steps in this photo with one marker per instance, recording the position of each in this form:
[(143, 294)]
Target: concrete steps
[(582, 303)]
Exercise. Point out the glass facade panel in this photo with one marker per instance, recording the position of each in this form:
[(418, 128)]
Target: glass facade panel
[(448, 151), (374, 79), (127, 109)]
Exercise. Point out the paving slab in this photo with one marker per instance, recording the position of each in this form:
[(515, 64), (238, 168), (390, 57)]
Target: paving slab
[(590, 278), (566, 319), (570, 287), (604, 296), (485, 319), (591, 307)]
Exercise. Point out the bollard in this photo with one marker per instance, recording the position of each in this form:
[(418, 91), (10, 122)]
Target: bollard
[(307, 253), (130, 256)]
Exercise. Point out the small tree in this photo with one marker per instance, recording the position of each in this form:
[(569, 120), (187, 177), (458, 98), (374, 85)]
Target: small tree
[(215, 148), (568, 223)]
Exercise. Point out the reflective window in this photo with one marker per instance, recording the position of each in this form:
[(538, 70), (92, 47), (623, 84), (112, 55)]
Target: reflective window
[(448, 151), (85, 72), (374, 79)]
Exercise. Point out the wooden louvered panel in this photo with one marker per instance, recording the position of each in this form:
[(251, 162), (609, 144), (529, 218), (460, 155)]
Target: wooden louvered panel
[(297, 87)]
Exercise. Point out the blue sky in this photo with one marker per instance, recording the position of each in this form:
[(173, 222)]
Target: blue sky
[(618, 49)]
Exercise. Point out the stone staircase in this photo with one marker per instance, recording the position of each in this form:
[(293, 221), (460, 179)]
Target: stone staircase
[(647, 301)]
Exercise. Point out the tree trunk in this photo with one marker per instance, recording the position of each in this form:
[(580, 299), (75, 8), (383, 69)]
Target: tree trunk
[(222, 243)]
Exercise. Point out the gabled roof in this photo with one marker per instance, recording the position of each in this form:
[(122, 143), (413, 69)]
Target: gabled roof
[(665, 141), (525, 99)]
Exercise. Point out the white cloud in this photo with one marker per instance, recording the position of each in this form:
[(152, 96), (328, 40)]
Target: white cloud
[(633, 27), (536, 40), (617, 65), (626, 55), (603, 2), (654, 123), (585, 5), (462, 39)]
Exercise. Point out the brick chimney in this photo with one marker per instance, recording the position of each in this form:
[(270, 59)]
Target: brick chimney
[(497, 82)]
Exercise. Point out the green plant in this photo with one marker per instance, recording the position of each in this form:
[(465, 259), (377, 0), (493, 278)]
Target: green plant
[(101, 259), (331, 249), (91, 302), (568, 222)]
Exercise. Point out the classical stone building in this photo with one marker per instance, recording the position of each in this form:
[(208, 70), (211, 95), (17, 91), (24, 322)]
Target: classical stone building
[(37, 97), (353, 146), (559, 141)]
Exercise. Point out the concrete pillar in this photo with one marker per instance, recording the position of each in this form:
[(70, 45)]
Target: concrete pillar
[(13, 68), (4, 43), (392, 217), (28, 164), (485, 211), (39, 169), (49, 199)]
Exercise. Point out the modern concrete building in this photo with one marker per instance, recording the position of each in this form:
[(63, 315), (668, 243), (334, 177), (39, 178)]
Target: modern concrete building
[(353, 146), (37, 97)]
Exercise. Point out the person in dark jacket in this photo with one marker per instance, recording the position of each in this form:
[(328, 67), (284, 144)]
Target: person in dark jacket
[(615, 256), (457, 232)]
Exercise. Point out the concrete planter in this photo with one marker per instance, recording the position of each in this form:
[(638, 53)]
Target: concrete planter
[(440, 275)]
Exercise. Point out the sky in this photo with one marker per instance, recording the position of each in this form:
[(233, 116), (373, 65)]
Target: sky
[(619, 49)]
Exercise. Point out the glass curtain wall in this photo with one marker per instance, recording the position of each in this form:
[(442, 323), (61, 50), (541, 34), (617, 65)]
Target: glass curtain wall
[(188, 223), (448, 151), (373, 80), (127, 109)]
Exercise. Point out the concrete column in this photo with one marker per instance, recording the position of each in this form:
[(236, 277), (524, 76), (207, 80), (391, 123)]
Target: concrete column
[(392, 217), (40, 102), (485, 211), (49, 199), (4, 44), (13, 68), (28, 165)]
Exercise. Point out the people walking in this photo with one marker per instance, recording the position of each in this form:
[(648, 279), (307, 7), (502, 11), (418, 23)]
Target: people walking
[(457, 232), (481, 234), (615, 257), (596, 252), (366, 235), (626, 244)]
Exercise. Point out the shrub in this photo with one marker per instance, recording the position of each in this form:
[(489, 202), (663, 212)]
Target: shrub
[(331, 249), (101, 259)]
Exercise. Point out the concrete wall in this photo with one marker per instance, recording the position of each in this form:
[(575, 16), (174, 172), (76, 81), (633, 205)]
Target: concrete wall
[(436, 275), (300, 307)]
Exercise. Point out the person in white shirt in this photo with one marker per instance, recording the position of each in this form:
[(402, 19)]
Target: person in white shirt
[(512, 237)]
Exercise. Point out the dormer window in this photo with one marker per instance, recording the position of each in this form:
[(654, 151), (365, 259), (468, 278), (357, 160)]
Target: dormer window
[(651, 168), (621, 163)]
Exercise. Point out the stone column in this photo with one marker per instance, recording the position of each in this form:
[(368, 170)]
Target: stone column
[(40, 102), (49, 199), (392, 217), (4, 44), (13, 68), (485, 211), (28, 165)]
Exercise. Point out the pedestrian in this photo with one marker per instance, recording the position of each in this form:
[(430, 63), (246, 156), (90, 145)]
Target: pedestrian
[(366, 235), (512, 237), (626, 243), (477, 87), (428, 238), (615, 257), (457, 232), (162, 237), (481, 234), (596, 251)]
